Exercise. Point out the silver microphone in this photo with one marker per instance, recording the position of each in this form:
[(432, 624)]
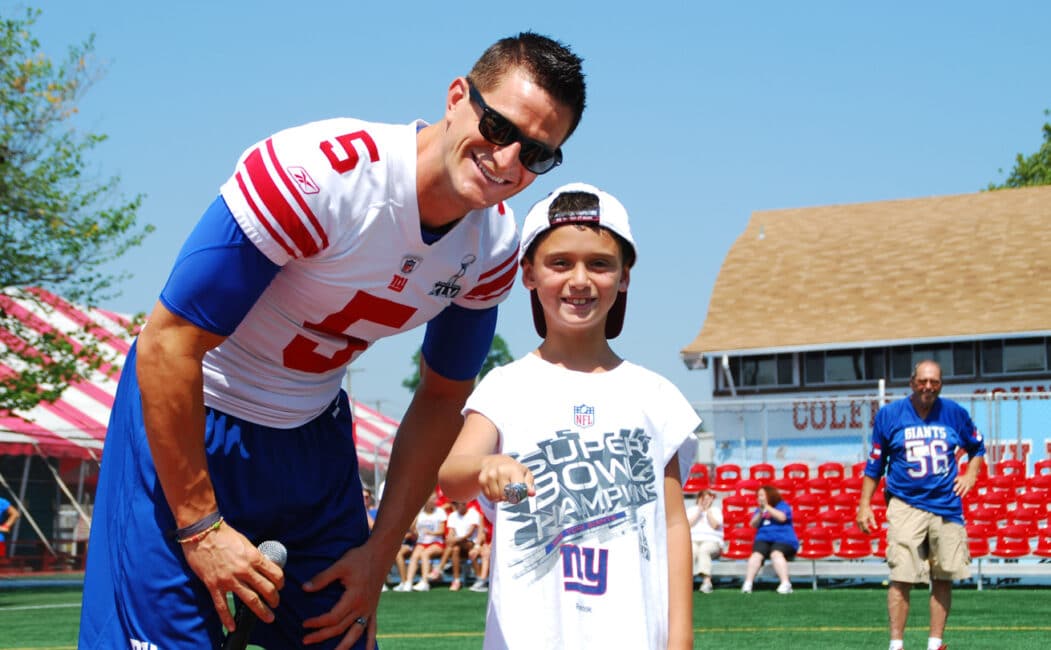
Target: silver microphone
[(245, 618)]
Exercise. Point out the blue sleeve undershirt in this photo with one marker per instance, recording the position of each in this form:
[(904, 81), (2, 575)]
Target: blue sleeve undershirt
[(219, 275)]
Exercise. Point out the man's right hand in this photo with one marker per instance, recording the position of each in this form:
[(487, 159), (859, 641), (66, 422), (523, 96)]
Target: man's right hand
[(866, 520), (226, 562)]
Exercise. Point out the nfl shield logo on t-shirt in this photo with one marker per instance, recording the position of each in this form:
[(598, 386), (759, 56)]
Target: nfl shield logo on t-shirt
[(583, 415)]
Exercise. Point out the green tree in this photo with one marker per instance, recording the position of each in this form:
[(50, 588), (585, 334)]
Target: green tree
[(1031, 170), (499, 354), (59, 223)]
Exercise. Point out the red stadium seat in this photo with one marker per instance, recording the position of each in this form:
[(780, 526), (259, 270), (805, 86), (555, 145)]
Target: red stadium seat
[(857, 470), (811, 504), (798, 473), (737, 510), (831, 470), (847, 503), (1043, 542), (815, 544), (740, 543), (836, 521), (1011, 542), (852, 485), (747, 487), (854, 544), (1028, 520), (1041, 478), (978, 540), (999, 499), (990, 516), (1008, 475), (697, 479), (726, 477), (765, 473), (1038, 500), (786, 487)]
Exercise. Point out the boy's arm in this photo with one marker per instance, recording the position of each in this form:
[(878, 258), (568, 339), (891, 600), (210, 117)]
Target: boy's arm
[(473, 467), (680, 560)]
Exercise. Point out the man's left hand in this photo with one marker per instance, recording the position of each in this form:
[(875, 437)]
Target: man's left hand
[(362, 574), (963, 485)]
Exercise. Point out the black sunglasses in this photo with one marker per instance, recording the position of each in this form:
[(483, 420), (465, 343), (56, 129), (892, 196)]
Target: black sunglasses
[(535, 156)]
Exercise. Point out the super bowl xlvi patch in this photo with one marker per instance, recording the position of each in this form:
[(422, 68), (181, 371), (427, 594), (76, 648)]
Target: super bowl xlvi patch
[(584, 415), (449, 288)]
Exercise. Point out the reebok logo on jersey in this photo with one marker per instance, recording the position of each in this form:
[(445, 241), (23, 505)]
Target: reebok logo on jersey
[(303, 180)]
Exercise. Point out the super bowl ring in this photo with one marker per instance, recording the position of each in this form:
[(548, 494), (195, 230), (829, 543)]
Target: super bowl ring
[(515, 492)]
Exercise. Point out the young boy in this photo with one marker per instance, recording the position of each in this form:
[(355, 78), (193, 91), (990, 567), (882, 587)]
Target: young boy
[(599, 554)]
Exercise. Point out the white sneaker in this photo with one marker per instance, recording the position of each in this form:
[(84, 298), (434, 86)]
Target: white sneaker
[(746, 588), (385, 587), (403, 586), (480, 585), (706, 588), (784, 588), (422, 585)]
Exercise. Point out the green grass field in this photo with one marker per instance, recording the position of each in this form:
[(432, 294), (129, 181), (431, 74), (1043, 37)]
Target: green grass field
[(1005, 619)]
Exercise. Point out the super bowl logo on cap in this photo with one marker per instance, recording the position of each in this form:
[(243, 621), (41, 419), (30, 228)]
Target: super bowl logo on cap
[(584, 415)]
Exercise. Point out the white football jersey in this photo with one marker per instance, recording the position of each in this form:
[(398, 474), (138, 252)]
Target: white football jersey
[(334, 203), (584, 563)]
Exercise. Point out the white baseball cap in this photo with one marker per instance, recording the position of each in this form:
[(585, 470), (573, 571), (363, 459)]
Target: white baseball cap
[(608, 213)]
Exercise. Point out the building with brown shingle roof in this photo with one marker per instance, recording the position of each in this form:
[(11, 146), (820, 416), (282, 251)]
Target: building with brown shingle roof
[(827, 296), (817, 310)]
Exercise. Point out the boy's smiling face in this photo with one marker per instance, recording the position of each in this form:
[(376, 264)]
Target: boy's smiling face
[(577, 272)]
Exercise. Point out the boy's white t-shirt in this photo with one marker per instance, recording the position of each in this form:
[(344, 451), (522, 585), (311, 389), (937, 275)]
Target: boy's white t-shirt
[(584, 563)]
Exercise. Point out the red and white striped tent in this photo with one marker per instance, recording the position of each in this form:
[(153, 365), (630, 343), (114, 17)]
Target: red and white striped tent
[(75, 425)]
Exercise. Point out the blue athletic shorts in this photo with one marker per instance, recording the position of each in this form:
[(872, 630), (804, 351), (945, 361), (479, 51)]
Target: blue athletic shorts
[(297, 486)]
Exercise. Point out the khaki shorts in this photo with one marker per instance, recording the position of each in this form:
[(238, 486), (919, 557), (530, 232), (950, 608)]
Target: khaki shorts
[(921, 545)]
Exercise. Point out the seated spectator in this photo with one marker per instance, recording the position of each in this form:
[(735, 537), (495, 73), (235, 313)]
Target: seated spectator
[(461, 532), (370, 506), (774, 539), (430, 538), (402, 558), (8, 515), (479, 556), (706, 533)]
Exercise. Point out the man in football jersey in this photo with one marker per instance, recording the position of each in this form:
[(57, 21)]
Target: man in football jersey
[(914, 440), (230, 428)]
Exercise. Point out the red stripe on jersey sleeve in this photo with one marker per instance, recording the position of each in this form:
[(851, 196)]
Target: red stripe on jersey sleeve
[(262, 217), (493, 288), (295, 192), (277, 205), (499, 267)]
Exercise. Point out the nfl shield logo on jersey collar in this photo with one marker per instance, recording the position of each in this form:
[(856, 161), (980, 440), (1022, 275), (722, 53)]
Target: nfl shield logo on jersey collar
[(584, 416)]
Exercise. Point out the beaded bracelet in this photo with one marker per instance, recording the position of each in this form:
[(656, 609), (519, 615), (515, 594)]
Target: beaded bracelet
[(196, 531)]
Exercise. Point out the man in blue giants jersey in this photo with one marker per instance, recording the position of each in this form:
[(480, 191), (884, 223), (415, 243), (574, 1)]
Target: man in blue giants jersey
[(914, 441), (229, 426)]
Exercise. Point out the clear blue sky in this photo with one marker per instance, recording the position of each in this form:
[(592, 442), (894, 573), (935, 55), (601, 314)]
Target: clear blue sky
[(699, 113)]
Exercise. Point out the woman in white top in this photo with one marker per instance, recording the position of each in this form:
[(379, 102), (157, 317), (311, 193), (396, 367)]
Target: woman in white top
[(706, 534)]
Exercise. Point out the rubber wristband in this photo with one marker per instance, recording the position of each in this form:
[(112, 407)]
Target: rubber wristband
[(206, 523)]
